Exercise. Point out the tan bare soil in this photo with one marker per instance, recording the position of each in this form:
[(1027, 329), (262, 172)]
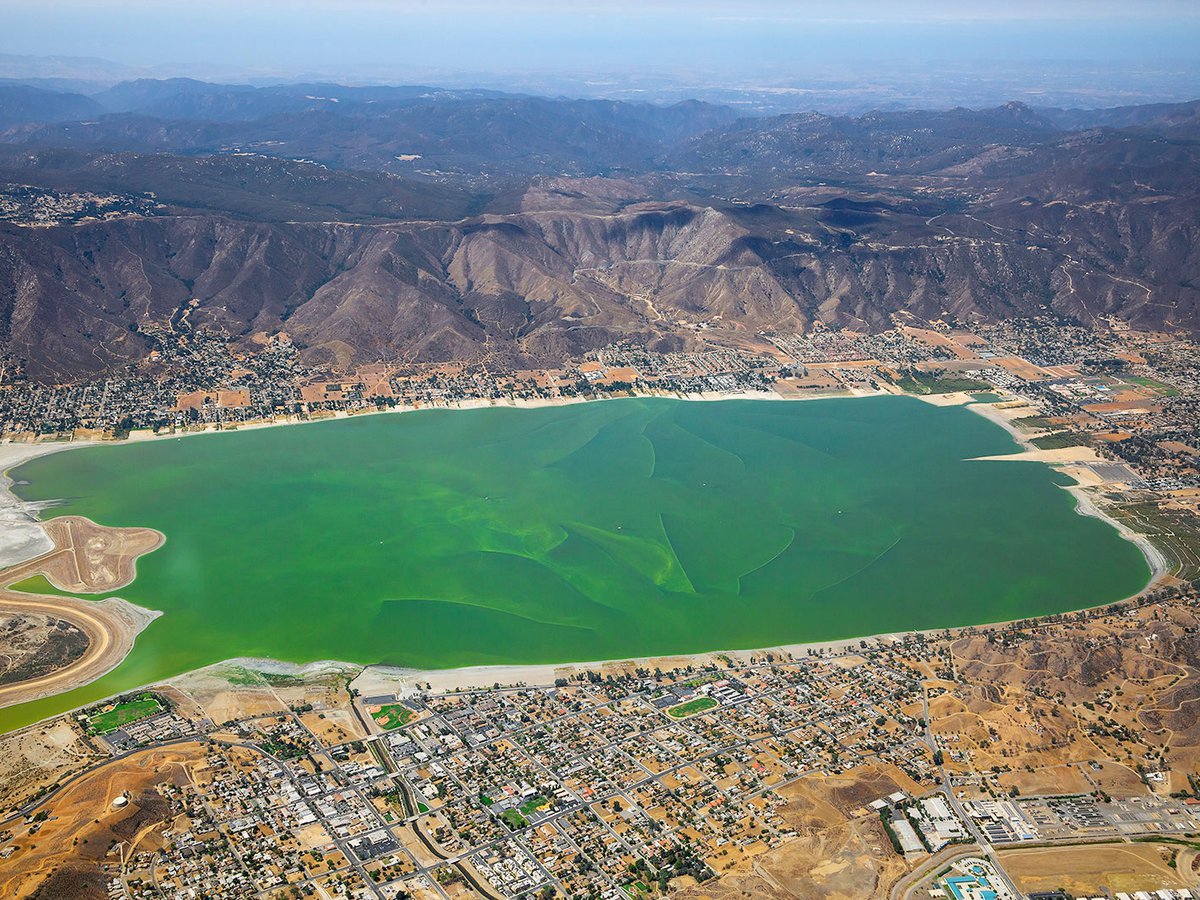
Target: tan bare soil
[(1086, 870), (229, 691), (1051, 780), (63, 856), (87, 558), (1047, 695), (35, 644), (94, 559), (839, 852), (35, 759)]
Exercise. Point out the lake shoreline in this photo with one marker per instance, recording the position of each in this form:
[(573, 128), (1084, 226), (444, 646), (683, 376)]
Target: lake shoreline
[(1084, 504), (406, 681), (23, 539), (15, 454), (22, 536), (107, 563)]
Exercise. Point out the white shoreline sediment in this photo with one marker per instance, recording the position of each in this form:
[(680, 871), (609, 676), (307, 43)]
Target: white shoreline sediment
[(1084, 504), (22, 537)]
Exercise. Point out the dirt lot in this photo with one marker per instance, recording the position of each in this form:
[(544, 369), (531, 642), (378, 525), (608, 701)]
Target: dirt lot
[(231, 691), (1047, 781), (93, 558), (35, 759), (1117, 780), (1086, 870), (841, 851), (35, 644)]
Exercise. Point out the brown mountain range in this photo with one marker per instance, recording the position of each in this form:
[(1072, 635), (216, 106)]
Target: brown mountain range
[(959, 215)]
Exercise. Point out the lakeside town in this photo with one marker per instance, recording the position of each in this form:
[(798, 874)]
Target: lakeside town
[(611, 450), (1122, 406), (1134, 393), (955, 773), (919, 766)]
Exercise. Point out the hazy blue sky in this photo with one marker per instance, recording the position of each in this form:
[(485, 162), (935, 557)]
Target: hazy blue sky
[(302, 36)]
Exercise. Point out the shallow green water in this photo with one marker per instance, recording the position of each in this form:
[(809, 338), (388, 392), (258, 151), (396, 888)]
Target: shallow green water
[(624, 528)]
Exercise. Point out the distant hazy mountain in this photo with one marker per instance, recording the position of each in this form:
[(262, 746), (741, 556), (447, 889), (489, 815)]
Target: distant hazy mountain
[(884, 141), (21, 103), (435, 224), (81, 69), (388, 129)]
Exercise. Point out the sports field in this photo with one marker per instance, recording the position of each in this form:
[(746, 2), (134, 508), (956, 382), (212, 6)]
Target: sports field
[(392, 715), (625, 528), (124, 713), (699, 705)]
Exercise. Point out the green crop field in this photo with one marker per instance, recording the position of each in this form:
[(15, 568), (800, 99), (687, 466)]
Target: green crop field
[(1164, 390), (916, 382), (1060, 439), (1032, 423)]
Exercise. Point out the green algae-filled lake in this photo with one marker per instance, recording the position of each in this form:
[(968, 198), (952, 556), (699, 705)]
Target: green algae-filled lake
[(594, 531)]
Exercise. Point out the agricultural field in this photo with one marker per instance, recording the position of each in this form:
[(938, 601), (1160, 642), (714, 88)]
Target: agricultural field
[(1173, 531), (914, 382), (1033, 423), (1163, 390)]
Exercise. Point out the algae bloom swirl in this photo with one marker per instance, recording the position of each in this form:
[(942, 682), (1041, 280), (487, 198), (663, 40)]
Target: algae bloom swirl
[(629, 528)]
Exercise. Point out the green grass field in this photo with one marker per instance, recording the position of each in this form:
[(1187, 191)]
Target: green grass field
[(1032, 423), (513, 819), (1163, 390), (699, 705), (124, 713), (532, 804), (1059, 440), (392, 715), (915, 382)]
